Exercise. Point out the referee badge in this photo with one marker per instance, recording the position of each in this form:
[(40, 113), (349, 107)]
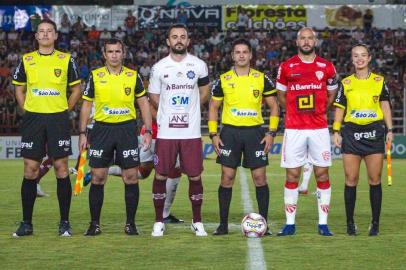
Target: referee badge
[(57, 72), (376, 99), (255, 93), (127, 91)]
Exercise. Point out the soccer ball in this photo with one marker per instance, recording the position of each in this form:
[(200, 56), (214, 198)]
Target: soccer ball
[(253, 225)]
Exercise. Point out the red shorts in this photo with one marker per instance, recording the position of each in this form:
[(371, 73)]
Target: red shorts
[(190, 156)]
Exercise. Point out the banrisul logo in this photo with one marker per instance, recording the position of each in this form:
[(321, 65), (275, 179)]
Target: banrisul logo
[(45, 92), (115, 111)]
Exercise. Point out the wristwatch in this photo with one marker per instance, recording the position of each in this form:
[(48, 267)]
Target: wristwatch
[(212, 135), (271, 133), (148, 131), (390, 130)]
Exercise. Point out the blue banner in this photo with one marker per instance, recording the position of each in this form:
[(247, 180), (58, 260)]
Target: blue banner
[(23, 17)]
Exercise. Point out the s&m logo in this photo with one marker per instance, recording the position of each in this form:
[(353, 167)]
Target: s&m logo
[(179, 102)]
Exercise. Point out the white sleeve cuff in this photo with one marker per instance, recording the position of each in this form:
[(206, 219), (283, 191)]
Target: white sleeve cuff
[(280, 86)]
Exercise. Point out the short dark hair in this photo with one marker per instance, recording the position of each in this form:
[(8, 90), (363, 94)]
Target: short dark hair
[(49, 21), (242, 41), (177, 25), (362, 45), (112, 41)]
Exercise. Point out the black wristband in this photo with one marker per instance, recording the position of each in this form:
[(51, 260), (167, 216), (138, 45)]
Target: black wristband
[(82, 132), (148, 131), (390, 130)]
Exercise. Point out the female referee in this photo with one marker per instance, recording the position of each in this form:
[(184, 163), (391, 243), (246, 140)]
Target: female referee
[(363, 102)]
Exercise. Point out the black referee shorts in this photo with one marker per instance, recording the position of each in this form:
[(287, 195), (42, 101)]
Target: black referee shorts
[(44, 133), (242, 142), (363, 140), (114, 142)]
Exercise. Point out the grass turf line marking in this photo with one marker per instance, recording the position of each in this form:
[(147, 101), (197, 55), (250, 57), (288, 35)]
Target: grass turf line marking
[(255, 251)]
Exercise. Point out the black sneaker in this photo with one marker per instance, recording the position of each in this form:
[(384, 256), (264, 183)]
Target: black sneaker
[(222, 229), (374, 229), (65, 229), (93, 230), (172, 220), (351, 229), (131, 229), (24, 229)]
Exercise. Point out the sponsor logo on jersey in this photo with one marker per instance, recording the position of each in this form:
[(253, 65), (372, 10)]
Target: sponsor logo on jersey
[(255, 74), (129, 74), (231, 85), (130, 152), (363, 114), (227, 77), (127, 91), (28, 58), (377, 79), (260, 153), (295, 75), (27, 145), (311, 86), (45, 92), (179, 102), (57, 72), (347, 81), (61, 55), (100, 74), (370, 135), (115, 111), (166, 75), (319, 64), (319, 75), (293, 64), (179, 120), (180, 87), (375, 98), (243, 112), (96, 153), (191, 74), (255, 93), (190, 64), (179, 74)]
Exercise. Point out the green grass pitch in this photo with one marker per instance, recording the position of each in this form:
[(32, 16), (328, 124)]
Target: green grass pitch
[(181, 249)]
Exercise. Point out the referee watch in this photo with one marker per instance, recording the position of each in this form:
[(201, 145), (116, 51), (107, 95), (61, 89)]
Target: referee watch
[(271, 133), (148, 131)]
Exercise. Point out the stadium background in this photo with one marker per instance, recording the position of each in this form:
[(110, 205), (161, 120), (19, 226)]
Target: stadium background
[(271, 31)]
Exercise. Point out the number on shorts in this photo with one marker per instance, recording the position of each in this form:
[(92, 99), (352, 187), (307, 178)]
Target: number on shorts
[(305, 103)]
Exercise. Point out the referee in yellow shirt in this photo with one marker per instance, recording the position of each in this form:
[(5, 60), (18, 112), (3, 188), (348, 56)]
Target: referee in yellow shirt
[(114, 89), (241, 91), (363, 102), (41, 80)]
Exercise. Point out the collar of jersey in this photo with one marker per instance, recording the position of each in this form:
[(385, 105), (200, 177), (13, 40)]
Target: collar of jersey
[(249, 72), (46, 54), (108, 71)]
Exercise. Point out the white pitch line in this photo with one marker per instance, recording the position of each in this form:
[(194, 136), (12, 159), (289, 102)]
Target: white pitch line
[(255, 251)]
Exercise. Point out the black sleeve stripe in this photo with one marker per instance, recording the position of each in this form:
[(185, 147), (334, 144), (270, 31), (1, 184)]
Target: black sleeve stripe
[(340, 98), (19, 73), (217, 89), (139, 85), (385, 94), (89, 89), (203, 81), (73, 71)]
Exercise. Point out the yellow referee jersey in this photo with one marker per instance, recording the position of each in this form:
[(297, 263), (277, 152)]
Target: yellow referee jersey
[(361, 98), (114, 95), (46, 77), (242, 97)]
